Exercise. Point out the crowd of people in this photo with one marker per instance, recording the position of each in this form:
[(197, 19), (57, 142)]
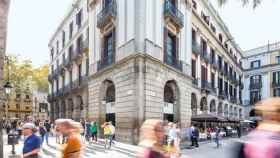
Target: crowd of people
[(159, 139)]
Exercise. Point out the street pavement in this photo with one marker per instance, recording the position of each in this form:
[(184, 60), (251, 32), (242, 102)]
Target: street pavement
[(121, 150)]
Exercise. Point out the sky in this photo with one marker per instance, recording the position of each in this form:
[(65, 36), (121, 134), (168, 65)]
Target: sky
[(33, 22)]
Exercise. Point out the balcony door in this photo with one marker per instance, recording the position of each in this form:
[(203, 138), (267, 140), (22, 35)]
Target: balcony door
[(106, 3), (108, 48)]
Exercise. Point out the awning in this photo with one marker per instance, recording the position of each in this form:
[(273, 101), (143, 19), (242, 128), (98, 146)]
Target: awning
[(208, 118)]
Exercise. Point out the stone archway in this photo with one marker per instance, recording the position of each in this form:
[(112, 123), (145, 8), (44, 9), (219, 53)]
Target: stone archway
[(220, 109), (213, 106), (108, 96), (203, 104), (171, 107), (194, 104)]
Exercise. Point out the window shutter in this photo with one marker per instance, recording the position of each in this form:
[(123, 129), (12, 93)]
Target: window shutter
[(165, 36)]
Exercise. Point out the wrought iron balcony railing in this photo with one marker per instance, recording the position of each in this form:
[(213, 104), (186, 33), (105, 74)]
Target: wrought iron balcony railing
[(107, 15), (275, 84), (176, 63), (205, 85), (222, 95), (173, 13), (205, 56), (214, 63), (105, 62), (196, 49), (256, 85)]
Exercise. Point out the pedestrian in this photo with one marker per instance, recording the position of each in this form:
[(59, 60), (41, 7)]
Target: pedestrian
[(112, 133), (72, 130), (152, 135), (107, 132), (194, 136), (93, 130), (32, 142), (48, 130), (217, 136), (263, 142), (42, 132), (82, 122), (87, 131), (238, 129)]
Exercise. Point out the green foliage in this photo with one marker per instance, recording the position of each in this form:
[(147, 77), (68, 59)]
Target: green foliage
[(24, 77)]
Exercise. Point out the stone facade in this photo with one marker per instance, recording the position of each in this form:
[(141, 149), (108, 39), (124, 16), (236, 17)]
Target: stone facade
[(139, 82)]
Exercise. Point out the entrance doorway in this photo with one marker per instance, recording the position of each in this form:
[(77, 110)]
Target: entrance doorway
[(168, 117), (111, 117)]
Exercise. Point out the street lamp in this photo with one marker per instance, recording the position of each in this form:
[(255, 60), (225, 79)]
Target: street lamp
[(8, 88)]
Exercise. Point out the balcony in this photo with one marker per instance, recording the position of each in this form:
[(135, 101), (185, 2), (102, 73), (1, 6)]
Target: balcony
[(176, 63), (107, 15), (275, 85), (195, 81), (172, 13), (196, 49), (105, 62), (222, 95), (79, 83), (255, 86), (205, 56), (214, 63), (206, 86)]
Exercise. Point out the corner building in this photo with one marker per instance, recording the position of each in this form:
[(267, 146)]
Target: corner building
[(216, 66), (69, 65), (139, 63)]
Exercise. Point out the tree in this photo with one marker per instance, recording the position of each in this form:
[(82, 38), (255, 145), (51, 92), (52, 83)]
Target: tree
[(255, 3), (24, 77)]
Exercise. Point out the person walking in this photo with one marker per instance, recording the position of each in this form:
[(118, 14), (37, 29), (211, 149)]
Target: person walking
[(42, 132), (107, 132), (93, 131), (217, 136), (112, 133), (32, 142), (87, 130), (72, 130), (48, 130), (194, 136), (151, 139)]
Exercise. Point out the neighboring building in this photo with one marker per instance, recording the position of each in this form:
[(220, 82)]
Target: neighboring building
[(216, 65), (139, 63), (19, 104), (261, 74), (4, 8), (69, 65), (40, 109)]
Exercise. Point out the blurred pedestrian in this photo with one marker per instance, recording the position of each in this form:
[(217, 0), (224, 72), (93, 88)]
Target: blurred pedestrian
[(93, 131), (42, 132), (32, 142), (112, 133), (264, 141), (152, 136), (194, 136), (217, 136), (48, 130), (87, 130), (71, 130), (107, 132)]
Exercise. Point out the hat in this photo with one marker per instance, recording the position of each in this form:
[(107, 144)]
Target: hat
[(28, 126), (269, 105)]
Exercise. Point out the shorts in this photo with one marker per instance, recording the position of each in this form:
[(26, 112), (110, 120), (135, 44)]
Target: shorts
[(107, 136)]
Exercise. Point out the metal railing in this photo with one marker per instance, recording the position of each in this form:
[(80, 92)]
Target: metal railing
[(107, 13), (174, 62), (105, 62), (205, 85), (255, 85), (205, 56), (170, 10), (196, 48)]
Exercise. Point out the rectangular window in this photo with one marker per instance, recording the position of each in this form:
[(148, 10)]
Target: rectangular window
[(79, 18), (220, 84), (108, 48), (277, 59), (213, 28), (71, 76), (63, 58), (57, 47), (203, 74), (79, 43), (276, 92), (204, 46), (256, 64), (226, 88), (220, 62), (193, 36), (230, 91), (213, 59), (194, 4), (70, 30), (63, 39), (226, 68), (255, 96), (276, 77), (193, 68), (255, 80), (63, 81), (70, 52), (80, 73)]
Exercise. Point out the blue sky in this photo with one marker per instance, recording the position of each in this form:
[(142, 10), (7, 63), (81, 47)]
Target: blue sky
[(32, 23)]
